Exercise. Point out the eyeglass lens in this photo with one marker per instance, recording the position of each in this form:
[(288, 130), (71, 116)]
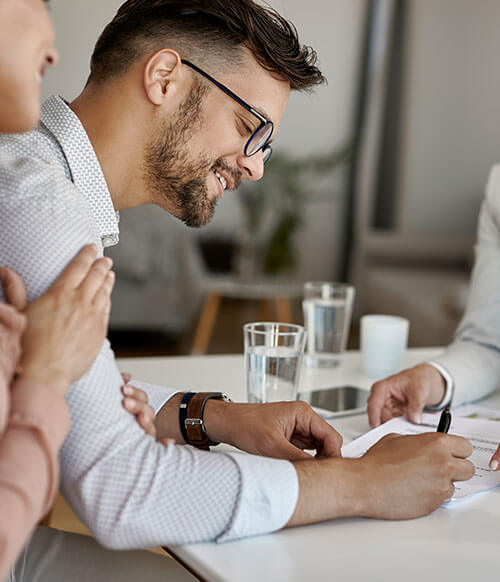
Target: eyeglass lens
[(259, 139)]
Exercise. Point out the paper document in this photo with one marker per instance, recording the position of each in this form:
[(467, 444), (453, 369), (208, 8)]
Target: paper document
[(475, 411), (484, 436)]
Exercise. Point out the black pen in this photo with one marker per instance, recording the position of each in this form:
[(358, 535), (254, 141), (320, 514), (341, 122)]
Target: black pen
[(444, 421)]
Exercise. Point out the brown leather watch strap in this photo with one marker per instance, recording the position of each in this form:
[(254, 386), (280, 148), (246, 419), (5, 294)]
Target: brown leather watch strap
[(194, 419)]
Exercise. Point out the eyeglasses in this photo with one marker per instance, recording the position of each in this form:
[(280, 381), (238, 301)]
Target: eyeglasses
[(260, 137)]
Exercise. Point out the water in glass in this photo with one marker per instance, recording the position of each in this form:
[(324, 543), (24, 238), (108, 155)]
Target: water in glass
[(272, 373)]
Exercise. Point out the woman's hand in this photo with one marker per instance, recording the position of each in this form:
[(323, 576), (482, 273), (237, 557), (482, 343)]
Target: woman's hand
[(135, 401), (12, 324), (66, 326)]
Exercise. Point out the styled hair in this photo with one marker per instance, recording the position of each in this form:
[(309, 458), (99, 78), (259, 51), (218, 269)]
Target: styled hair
[(207, 32)]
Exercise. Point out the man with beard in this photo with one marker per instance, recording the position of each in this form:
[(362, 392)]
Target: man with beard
[(183, 100)]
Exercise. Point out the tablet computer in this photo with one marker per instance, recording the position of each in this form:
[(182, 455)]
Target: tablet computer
[(337, 400)]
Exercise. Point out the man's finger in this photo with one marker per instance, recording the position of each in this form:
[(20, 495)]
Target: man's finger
[(329, 439), (495, 460), (77, 269), (463, 470), (126, 377), (459, 446), (14, 288), (284, 449)]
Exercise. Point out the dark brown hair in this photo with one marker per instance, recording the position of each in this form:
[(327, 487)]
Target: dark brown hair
[(208, 32)]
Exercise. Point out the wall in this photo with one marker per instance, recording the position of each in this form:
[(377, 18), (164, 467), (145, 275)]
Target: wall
[(452, 113), (312, 124)]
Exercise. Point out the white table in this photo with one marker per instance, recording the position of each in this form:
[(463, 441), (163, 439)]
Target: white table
[(461, 543)]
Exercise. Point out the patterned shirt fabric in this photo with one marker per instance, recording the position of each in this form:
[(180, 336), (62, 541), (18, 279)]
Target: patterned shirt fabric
[(130, 490)]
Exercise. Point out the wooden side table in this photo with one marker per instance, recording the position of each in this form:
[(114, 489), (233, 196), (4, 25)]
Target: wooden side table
[(274, 297)]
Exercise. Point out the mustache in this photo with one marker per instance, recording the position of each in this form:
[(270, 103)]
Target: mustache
[(236, 175)]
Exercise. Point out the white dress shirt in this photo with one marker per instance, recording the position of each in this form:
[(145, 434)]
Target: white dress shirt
[(130, 490), (472, 360)]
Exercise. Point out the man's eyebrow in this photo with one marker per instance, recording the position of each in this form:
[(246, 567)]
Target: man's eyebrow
[(263, 113)]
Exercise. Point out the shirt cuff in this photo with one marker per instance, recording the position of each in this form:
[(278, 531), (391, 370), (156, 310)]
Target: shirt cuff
[(268, 495), (448, 394), (157, 395)]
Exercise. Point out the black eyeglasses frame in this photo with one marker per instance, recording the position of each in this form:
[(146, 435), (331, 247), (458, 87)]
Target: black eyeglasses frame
[(266, 147)]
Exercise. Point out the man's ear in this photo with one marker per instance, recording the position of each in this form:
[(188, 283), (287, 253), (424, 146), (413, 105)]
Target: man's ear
[(161, 70)]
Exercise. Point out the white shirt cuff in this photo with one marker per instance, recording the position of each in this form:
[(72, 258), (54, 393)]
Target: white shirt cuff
[(448, 394), (157, 395), (268, 496)]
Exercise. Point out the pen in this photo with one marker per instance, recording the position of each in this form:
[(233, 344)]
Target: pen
[(444, 421)]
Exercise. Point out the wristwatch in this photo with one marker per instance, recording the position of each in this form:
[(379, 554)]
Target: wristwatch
[(191, 417)]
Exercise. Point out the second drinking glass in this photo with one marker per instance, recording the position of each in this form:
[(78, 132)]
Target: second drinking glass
[(327, 318)]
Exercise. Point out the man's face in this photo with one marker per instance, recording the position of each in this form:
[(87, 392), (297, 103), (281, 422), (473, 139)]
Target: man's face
[(26, 50), (198, 152)]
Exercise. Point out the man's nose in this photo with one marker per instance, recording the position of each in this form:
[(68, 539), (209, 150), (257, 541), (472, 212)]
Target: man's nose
[(252, 167)]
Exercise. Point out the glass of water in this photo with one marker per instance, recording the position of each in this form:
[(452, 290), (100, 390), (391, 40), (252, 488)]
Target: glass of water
[(273, 356), (327, 318)]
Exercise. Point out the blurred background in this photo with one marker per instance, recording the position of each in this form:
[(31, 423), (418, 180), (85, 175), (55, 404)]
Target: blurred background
[(377, 179)]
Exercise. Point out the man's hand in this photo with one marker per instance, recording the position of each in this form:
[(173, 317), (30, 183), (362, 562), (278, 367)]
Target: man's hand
[(406, 393), (278, 429), (410, 476), (400, 477)]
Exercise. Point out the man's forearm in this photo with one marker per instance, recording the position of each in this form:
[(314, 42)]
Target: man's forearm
[(167, 420), (328, 489)]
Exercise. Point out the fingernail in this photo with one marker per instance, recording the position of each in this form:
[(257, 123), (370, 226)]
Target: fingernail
[(494, 465), (128, 390), (129, 402), (418, 418)]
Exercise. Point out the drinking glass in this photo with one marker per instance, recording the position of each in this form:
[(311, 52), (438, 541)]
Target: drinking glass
[(273, 357), (327, 317)]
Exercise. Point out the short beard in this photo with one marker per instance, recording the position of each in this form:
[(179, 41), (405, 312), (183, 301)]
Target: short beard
[(169, 173)]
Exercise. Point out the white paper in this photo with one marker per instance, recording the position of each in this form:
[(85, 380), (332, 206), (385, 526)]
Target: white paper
[(474, 411), (484, 436)]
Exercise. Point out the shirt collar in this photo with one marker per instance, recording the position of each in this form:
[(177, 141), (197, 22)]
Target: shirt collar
[(86, 172)]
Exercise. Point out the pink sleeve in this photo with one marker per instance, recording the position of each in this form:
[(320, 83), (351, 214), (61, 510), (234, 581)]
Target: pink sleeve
[(37, 426)]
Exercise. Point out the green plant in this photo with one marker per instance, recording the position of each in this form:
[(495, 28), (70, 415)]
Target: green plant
[(274, 206)]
